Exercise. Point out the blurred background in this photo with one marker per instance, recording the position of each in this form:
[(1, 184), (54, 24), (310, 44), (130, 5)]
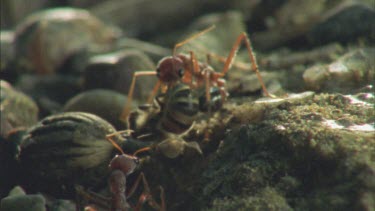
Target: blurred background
[(80, 45), (290, 21)]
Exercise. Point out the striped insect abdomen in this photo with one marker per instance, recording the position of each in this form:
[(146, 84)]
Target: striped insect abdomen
[(180, 109)]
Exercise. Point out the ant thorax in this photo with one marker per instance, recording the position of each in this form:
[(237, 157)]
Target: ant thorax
[(172, 69), (195, 75)]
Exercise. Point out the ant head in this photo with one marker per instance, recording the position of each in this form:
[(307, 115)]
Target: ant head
[(125, 163), (170, 69)]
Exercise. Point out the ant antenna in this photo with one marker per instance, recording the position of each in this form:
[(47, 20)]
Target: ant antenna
[(191, 38), (141, 150), (109, 138)]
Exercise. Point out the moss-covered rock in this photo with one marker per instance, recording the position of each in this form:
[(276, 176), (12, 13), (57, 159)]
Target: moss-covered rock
[(317, 153)]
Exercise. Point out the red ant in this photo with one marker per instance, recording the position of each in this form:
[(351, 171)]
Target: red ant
[(186, 69), (121, 166)]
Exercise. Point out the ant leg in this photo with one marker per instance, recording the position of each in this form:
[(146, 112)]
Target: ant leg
[(208, 99), (224, 94), (126, 110), (109, 137), (136, 183), (162, 198), (194, 63), (238, 64), (146, 195), (91, 197), (127, 133), (154, 91), (209, 58), (191, 38), (207, 80), (190, 79), (228, 63), (141, 150)]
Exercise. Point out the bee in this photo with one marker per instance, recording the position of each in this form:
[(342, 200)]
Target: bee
[(171, 116), (172, 113), (179, 109)]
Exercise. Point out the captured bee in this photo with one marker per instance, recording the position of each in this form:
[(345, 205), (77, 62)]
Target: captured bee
[(172, 115), (173, 112), (179, 109)]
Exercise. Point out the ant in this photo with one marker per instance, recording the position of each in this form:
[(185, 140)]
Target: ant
[(188, 70), (121, 166)]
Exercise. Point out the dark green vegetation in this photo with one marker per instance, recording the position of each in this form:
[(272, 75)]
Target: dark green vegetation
[(303, 156)]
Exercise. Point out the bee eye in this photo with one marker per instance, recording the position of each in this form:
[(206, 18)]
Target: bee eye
[(181, 72)]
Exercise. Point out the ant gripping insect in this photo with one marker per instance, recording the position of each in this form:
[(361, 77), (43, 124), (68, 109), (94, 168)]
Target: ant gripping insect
[(186, 69), (121, 166), (173, 112), (171, 115)]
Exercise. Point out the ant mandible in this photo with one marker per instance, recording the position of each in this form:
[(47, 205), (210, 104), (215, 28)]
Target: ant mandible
[(188, 70)]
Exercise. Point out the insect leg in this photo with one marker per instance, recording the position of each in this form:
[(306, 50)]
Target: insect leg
[(146, 194), (232, 54), (126, 110)]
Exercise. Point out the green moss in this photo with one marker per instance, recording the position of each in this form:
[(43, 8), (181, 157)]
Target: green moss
[(307, 155), (267, 199)]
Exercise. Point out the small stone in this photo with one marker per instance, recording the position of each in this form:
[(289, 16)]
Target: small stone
[(49, 91), (347, 22), (17, 109), (61, 205), (107, 104), (32, 202), (351, 70), (7, 50), (46, 39), (17, 191), (115, 71)]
